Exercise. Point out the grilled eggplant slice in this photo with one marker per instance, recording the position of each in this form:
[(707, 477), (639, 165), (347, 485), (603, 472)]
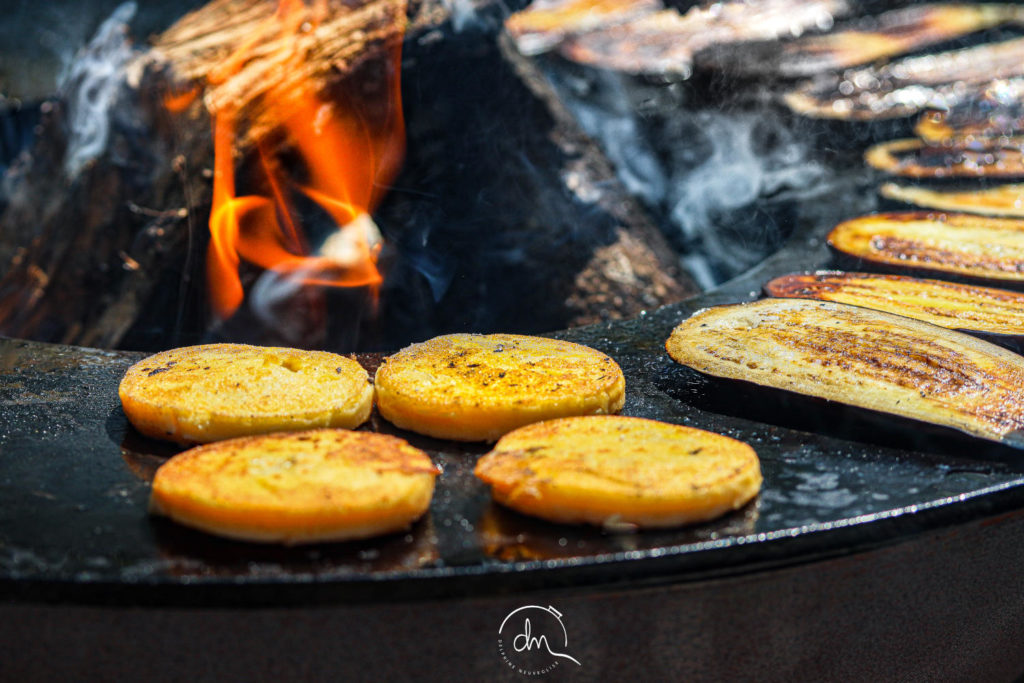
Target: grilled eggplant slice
[(909, 85), (543, 25), (912, 158), (994, 314), (865, 40), (665, 42), (996, 111), (958, 244), (862, 358), (1001, 200)]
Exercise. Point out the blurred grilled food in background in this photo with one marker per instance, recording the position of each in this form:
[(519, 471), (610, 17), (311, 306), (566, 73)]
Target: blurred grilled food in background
[(993, 314), (954, 244), (860, 41)]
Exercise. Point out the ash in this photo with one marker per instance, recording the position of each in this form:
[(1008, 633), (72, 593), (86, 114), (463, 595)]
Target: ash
[(721, 176)]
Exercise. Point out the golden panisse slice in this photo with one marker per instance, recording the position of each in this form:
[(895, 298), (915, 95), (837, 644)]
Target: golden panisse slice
[(912, 158), (952, 305), (862, 358), (618, 472), (474, 387), (299, 487), (1001, 200), (972, 246), (199, 394)]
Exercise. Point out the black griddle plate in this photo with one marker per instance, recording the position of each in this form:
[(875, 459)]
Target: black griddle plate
[(73, 485)]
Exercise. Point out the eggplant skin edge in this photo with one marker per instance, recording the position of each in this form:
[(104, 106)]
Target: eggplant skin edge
[(883, 240), (900, 367), (847, 287)]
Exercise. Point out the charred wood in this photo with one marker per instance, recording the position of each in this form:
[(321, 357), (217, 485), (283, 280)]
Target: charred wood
[(505, 218)]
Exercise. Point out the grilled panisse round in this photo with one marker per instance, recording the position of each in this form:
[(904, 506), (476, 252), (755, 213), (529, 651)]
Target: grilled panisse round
[(947, 304), (911, 158), (1001, 200), (617, 471), (862, 358), (971, 246), (206, 393), (300, 487), (474, 387)]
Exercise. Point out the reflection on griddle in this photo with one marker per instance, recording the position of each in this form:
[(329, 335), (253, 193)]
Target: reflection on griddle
[(193, 553), (144, 455), (511, 537)]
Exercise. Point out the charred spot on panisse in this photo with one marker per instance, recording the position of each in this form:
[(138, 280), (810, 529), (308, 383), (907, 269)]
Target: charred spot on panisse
[(303, 487), (218, 391), (477, 387), (615, 471)]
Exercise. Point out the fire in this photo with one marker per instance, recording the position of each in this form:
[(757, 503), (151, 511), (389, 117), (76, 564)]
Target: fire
[(344, 156)]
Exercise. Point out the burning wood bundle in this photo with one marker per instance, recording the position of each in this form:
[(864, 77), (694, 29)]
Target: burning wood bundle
[(275, 81), (280, 126)]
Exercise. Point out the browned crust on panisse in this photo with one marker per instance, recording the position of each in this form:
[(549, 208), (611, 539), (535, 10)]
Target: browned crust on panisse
[(913, 158), (961, 244), (862, 358), (473, 387), (952, 305), (620, 472), (199, 394), (299, 487), (1001, 200)]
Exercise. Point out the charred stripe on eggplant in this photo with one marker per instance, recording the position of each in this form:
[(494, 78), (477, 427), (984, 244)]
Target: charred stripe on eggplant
[(863, 358)]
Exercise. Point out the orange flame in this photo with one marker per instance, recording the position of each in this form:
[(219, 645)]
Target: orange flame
[(347, 156)]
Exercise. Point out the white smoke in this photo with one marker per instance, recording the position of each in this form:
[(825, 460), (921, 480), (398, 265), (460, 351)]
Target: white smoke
[(605, 112), (90, 86), (714, 175), (473, 14), (751, 159)]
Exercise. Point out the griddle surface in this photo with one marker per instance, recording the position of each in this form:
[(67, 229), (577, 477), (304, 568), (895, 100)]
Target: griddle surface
[(73, 481)]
